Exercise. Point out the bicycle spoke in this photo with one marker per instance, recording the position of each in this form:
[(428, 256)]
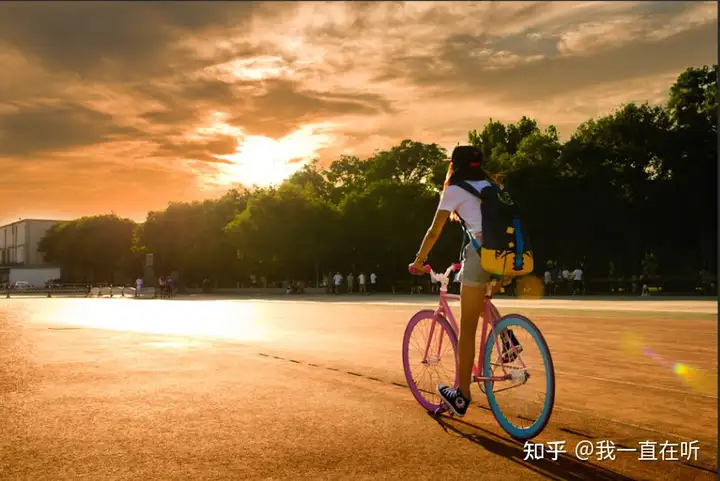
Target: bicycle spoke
[(519, 402), (427, 371)]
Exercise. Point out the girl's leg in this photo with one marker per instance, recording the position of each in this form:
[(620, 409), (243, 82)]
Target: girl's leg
[(472, 304), (473, 280)]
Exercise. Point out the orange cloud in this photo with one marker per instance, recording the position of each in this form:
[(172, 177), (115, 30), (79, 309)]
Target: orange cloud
[(126, 106), (595, 36)]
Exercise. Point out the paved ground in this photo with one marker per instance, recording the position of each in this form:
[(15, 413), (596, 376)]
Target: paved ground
[(221, 389)]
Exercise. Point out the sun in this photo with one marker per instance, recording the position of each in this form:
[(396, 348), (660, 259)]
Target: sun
[(260, 161), (264, 162)]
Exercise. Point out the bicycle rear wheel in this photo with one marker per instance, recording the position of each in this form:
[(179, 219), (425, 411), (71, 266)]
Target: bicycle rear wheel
[(429, 353), (522, 406)]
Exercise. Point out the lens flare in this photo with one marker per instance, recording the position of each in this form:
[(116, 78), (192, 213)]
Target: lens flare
[(630, 343), (681, 369), (529, 287), (693, 377), (696, 379)]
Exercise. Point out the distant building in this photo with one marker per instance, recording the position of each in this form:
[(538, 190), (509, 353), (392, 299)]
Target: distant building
[(18, 247), (19, 241)]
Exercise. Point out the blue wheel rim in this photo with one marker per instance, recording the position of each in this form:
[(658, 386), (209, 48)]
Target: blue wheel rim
[(536, 427)]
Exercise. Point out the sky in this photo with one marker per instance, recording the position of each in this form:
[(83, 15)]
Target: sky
[(119, 107)]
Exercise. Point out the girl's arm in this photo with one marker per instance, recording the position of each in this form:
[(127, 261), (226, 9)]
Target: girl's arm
[(431, 236)]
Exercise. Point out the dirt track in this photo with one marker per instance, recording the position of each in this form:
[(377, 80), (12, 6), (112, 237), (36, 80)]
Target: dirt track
[(126, 389)]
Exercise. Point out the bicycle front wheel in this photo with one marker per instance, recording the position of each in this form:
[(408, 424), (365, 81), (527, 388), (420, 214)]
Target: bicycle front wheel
[(429, 353), (523, 404)]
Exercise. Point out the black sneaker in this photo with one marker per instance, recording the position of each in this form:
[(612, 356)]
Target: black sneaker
[(511, 347), (452, 397)]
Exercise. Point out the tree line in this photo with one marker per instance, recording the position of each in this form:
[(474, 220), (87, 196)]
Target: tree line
[(630, 193)]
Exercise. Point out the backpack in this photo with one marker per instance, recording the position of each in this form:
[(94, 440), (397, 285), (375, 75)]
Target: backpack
[(506, 250)]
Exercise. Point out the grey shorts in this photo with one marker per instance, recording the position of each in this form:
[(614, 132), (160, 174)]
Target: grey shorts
[(471, 272)]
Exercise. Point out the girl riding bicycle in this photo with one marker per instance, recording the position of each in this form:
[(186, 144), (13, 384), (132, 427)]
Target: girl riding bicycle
[(458, 204)]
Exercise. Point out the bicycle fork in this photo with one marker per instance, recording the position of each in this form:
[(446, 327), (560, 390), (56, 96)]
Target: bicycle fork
[(508, 350), (429, 343)]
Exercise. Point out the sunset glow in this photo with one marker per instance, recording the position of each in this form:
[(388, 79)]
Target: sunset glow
[(263, 161), (161, 102), (258, 68)]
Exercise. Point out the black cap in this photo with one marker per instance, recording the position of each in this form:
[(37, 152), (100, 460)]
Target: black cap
[(466, 156)]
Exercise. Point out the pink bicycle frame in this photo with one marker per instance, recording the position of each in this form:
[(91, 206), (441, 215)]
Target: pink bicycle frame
[(490, 318)]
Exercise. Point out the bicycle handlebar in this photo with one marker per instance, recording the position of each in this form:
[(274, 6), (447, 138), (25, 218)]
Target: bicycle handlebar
[(453, 268), (428, 270)]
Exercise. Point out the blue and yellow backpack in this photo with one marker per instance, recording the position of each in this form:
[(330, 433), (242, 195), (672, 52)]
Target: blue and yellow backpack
[(506, 250)]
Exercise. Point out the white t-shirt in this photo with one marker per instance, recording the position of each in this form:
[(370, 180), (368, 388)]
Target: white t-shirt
[(577, 275), (338, 279), (373, 278), (548, 277), (566, 274), (466, 205), (361, 279)]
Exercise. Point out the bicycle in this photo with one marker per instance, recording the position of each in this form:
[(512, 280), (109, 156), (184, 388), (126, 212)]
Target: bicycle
[(509, 351)]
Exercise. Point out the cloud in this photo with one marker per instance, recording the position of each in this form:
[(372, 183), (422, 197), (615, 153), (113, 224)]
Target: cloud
[(696, 15), (596, 36), (284, 106), (206, 150), (167, 99), (117, 40), (460, 75), (261, 160), (592, 37), (34, 129), (184, 101)]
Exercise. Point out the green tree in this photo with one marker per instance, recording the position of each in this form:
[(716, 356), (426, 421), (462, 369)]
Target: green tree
[(345, 175), (189, 238), (384, 224), (640, 179), (499, 143), (692, 106), (92, 249), (538, 149), (312, 180), (408, 163), (287, 230)]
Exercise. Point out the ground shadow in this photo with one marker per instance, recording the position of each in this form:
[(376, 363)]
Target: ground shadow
[(566, 467)]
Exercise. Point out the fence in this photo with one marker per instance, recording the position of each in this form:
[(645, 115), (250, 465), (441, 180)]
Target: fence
[(84, 291), (126, 291)]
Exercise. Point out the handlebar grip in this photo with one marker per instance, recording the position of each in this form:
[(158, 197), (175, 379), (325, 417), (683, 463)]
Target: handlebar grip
[(426, 268)]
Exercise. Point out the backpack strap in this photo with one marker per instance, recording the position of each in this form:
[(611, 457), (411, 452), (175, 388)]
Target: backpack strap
[(517, 231), (464, 185), (467, 235), (519, 244)]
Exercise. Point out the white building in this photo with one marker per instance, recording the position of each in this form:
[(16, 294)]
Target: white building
[(18, 247)]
